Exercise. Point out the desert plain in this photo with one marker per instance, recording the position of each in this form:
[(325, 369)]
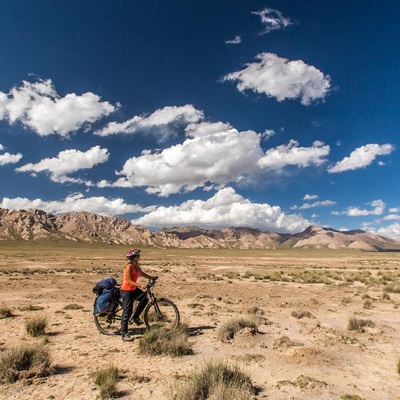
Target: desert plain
[(304, 347)]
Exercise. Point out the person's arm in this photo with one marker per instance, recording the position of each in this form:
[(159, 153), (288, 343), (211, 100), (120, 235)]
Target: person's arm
[(147, 276)]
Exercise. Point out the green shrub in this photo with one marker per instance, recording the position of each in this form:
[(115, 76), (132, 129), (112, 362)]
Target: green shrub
[(228, 331), (24, 362), (106, 380), (160, 341), (36, 326), (217, 381)]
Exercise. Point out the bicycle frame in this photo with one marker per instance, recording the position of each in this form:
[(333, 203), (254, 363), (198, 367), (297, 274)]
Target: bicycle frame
[(159, 311)]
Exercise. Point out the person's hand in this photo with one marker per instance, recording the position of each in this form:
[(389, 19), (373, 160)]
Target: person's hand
[(143, 286)]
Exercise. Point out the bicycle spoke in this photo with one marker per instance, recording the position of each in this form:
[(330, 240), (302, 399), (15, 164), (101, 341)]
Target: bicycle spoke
[(162, 313), (109, 324)]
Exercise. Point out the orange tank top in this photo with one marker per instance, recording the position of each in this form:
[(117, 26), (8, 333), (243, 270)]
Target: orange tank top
[(134, 277)]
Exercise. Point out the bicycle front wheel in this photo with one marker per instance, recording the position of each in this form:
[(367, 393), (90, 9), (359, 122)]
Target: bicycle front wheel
[(162, 313), (110, 323)]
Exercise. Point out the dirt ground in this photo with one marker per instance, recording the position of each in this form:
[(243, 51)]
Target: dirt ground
[(303, 350)]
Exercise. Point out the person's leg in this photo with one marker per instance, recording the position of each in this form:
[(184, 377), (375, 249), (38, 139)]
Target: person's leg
[(142, 298), (127, 308)]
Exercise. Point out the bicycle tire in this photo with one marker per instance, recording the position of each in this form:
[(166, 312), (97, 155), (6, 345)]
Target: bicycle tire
[(161, 313), (110, 323)]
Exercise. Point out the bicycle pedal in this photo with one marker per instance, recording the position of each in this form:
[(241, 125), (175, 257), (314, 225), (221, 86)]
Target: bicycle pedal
[(138, 321)]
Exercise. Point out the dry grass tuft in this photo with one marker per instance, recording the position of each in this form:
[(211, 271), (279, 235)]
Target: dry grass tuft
[(24, 362), (368, 304), (36, 326), (284, 342), (385, 296), (5, 312), (301, 314), (216, 381), (160, 341), (255, 311), (107, 380), (356, 324), (73, 307), (228, 331), (31, 307)]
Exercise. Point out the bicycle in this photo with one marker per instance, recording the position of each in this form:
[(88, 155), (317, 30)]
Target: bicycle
[(160, 312)]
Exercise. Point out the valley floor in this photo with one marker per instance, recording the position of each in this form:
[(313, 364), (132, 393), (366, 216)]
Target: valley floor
[(303, 350)]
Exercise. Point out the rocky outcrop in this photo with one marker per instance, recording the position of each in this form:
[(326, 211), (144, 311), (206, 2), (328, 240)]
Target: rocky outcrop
[(317, 237), (27, 225), (91, 228)]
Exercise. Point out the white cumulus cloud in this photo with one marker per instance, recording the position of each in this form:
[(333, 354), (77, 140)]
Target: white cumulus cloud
[(391, 231), (162, 123), (325, 203), (292, 155), (76, 202), (226, 208), (8, 158), (282, 79), (235, 40), (391, 217), (272, 20), (202, 129), (310, 197), (37, 106), (66, 163), (361, 157), (213, 155), (217, 159), (378, 209)]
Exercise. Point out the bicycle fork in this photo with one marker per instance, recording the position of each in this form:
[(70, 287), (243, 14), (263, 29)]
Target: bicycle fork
[(153, 302), (157, 309)]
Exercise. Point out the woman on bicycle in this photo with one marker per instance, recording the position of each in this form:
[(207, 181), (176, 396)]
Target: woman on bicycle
[(132, 290)]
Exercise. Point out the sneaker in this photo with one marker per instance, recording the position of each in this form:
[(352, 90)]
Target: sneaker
[(138, 321), (127, 337)]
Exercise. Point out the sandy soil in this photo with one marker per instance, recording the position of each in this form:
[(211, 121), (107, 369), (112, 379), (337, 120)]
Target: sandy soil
[(315, 357)]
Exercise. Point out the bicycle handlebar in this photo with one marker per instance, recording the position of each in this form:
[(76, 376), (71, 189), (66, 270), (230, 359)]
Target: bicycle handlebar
[(151, 283)]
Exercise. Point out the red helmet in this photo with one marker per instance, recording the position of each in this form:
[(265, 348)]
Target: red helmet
[(132, 253)]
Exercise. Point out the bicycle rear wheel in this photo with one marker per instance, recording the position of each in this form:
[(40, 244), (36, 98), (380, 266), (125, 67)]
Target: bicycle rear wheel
[(109, 323), (162, 313)]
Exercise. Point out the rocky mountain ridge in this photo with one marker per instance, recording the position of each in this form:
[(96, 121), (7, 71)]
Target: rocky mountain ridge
[(89, 227)]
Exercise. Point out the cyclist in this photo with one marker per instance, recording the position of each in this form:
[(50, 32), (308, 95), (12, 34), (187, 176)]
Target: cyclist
[(132, 290)]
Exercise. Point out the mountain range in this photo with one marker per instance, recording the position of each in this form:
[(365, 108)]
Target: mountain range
[(35, 225)]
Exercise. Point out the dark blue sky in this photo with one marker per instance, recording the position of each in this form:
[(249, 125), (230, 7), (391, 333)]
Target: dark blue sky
[(270, 114)]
